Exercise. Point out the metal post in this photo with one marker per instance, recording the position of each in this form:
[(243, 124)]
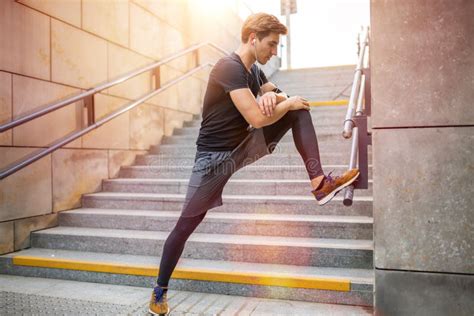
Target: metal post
[(196, 58), (90, 106), (349, 191), (348, 123), (358, 44), (156, 78), (363, 142), (368, 95), (288, 41)]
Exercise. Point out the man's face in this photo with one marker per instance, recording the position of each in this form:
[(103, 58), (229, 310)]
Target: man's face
[(267, 47)]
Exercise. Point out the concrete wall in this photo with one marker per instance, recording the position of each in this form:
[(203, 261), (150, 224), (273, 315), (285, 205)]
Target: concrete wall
[(422, 65), (53, 49)]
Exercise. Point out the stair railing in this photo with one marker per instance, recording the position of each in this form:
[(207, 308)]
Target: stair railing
[(88, 99), (355, 123)]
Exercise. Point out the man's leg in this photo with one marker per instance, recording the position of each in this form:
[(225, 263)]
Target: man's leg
[(174, 246), (172, 250), (324, 187), (305, 139)]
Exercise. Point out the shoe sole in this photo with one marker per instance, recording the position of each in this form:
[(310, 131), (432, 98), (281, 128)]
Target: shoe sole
[(153, 313), (329, 197)]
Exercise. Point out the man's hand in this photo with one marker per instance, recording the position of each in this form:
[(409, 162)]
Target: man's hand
[(267, 103), (298, 103)]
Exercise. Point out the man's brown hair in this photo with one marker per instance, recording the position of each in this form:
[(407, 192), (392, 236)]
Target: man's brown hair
[(262, 24)]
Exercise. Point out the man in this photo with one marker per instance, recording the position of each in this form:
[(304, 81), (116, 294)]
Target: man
[(227, 143)]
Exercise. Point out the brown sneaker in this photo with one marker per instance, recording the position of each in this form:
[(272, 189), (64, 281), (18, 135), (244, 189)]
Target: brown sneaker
[(331, 186), (159, 301)]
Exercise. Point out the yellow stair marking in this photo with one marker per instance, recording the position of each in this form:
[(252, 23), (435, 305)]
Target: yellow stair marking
[(333, 102), (269, 279)]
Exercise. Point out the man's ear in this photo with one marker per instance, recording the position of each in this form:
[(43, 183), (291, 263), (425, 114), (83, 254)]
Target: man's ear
[(252, 38)]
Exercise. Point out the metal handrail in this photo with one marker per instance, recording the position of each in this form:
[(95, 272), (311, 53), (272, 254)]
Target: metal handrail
[(96, 89), (356, 125), (5, 172), (349, 191), (15, 167), (354, 148), (348, 122)]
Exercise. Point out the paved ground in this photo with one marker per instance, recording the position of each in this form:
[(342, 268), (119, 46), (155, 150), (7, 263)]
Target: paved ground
[(37, 296)]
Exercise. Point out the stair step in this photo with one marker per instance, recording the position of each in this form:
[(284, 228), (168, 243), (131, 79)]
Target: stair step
[(334, 158), (335, 119), (287, 138), (336, 130), (321, 79), (317, 89), (253, 171), (315, 284), (287, 147), (234, 186), (311, 226), (283, 148), (327, 111), (317, 71), (290, 204), (315, 83), (343, 253)]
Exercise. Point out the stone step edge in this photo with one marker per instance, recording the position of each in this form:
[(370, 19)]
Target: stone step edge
[(336, 219), (176, 180), (227, 198), (200, 274), (286, 146), (224, 239), (324, 133), (278, 167), (278, 155)]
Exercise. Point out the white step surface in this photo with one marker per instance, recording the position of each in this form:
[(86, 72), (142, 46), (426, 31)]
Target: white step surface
[(360, 276), (79, 297)]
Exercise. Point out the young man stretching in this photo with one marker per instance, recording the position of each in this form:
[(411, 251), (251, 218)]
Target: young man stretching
[(227, 143)]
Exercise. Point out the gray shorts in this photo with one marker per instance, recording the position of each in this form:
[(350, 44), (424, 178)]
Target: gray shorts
[(212, 170)]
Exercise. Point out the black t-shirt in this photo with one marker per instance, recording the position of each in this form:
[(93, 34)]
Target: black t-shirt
[(222, 126)]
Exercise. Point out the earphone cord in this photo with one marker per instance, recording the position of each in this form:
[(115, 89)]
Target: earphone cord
[(258, 77), (258, 69)]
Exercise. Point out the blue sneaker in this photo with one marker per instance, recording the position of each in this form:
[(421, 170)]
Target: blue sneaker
[(159, 301)]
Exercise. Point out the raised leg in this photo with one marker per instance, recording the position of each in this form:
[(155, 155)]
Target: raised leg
[(304, 137)]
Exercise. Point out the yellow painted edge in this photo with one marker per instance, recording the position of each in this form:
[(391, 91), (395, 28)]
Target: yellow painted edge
[(269, 279), (333, 102)]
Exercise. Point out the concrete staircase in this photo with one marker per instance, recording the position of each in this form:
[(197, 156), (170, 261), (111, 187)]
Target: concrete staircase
[(320, 84), (269, 239)]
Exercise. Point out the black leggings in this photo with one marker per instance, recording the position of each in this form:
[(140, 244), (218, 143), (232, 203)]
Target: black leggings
[(304, 136), (306, 143)]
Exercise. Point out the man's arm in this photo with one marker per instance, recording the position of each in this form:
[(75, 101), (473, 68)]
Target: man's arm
[(271, 96), (248, 107), (270, 86)]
